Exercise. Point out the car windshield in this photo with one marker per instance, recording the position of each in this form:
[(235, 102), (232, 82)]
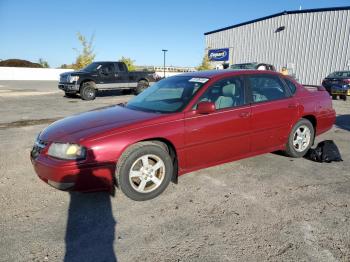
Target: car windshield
[(244, 66), (340, 74), (92, 67), (168, 95)]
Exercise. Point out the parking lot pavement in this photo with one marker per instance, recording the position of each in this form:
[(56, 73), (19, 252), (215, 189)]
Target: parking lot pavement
[(23, 101), (265, 208)]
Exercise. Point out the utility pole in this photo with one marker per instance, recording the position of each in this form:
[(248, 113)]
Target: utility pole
[(164, 51)]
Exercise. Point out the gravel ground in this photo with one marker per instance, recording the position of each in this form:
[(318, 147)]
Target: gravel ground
[(266, 208)]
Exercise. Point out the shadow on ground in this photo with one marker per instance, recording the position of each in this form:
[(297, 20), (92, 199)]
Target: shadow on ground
[(343, 122), (120, 92), (90, 228), (106, 93)]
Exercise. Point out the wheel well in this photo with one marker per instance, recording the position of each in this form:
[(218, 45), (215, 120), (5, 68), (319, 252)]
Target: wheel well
[(143, 79), (84, 81), (172, 152), (312, 119)]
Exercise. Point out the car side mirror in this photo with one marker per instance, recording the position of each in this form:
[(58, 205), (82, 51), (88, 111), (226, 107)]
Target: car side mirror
[(205, 107)]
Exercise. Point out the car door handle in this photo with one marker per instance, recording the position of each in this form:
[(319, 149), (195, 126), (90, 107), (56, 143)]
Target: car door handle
[(244, 114), (292, 105)]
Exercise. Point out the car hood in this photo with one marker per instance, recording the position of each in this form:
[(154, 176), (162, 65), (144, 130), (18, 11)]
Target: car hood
[(82, 126), (75, 73)]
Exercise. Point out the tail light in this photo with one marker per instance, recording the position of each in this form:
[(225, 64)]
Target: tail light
[(346, 81)]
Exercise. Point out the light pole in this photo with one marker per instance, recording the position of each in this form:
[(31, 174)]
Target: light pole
[(164, 51)]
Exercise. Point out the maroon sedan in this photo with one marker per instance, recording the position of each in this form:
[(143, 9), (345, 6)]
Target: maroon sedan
[(181, 124)]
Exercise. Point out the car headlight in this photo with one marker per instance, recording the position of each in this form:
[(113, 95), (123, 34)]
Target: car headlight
[(67, 151), (73, 79)]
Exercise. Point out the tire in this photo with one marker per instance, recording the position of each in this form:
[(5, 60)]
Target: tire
[(299, 143), (70, 95), (145, 182), (141, 86), (344, 97), (88, 91)]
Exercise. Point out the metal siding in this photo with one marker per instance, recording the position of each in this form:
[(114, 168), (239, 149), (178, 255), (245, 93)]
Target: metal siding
[(317, 43)]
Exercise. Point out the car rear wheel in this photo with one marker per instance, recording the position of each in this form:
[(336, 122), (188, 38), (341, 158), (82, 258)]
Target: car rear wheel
[(300, 139), (141, 86), (88, 91), (344, 97), (144, 171)]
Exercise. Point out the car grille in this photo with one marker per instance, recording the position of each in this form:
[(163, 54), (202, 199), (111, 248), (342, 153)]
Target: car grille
[(38, 147)]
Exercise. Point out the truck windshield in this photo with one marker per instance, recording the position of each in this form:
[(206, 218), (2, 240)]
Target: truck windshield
[(92, 67), (168, 95)]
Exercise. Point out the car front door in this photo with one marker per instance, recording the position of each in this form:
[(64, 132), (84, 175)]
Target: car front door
[(107, 77), (223, 134), (274, 110)]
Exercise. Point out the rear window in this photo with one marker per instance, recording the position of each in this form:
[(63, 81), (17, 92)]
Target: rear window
[(292, 87), (266, 88), (121, 67)]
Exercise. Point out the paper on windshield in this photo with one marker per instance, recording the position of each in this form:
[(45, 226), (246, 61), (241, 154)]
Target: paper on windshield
[(198, 80)]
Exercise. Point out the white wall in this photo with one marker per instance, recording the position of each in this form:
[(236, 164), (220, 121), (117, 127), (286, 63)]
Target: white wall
[(167, 74), (23, 73)]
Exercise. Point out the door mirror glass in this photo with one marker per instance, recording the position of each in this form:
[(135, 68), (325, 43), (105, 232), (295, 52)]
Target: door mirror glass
[(205, 107)]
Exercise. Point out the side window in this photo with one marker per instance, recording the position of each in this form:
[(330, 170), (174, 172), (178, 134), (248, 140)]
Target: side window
[(225, 93), (121, 67), (107, 69), (291, 86), (266, 88)]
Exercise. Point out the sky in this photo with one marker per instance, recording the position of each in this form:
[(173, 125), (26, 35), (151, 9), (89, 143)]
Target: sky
[(132, 28)]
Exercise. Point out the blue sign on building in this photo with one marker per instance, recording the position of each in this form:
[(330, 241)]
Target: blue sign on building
[(218, 54)]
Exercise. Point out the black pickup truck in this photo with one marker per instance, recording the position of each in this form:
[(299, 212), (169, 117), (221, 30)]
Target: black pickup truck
[(104, 75)]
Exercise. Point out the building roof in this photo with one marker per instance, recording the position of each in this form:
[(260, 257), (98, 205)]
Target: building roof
[(279, 14), (226, 72)]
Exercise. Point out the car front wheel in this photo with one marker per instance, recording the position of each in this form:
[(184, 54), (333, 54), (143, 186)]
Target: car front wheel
[(88, 91), (300, 139), (144, 171)]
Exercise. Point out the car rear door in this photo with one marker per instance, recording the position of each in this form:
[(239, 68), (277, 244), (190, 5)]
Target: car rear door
[(274, 111), (122, 75), (223, 134)]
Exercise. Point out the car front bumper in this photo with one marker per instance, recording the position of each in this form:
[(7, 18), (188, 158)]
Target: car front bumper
[(72, 176), (69, 87)]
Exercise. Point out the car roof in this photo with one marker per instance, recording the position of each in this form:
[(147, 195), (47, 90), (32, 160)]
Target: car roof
[(226, 72), (343, 71)]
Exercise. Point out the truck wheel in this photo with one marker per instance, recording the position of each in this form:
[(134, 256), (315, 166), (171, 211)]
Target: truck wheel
[(88, 91), (344, 97), (141, 86), (144, 171), (334, 97), (300, 138)]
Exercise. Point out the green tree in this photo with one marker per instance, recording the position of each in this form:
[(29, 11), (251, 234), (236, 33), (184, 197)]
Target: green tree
[(43, 63), (85, 56), (129, 63), (205, 65)]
